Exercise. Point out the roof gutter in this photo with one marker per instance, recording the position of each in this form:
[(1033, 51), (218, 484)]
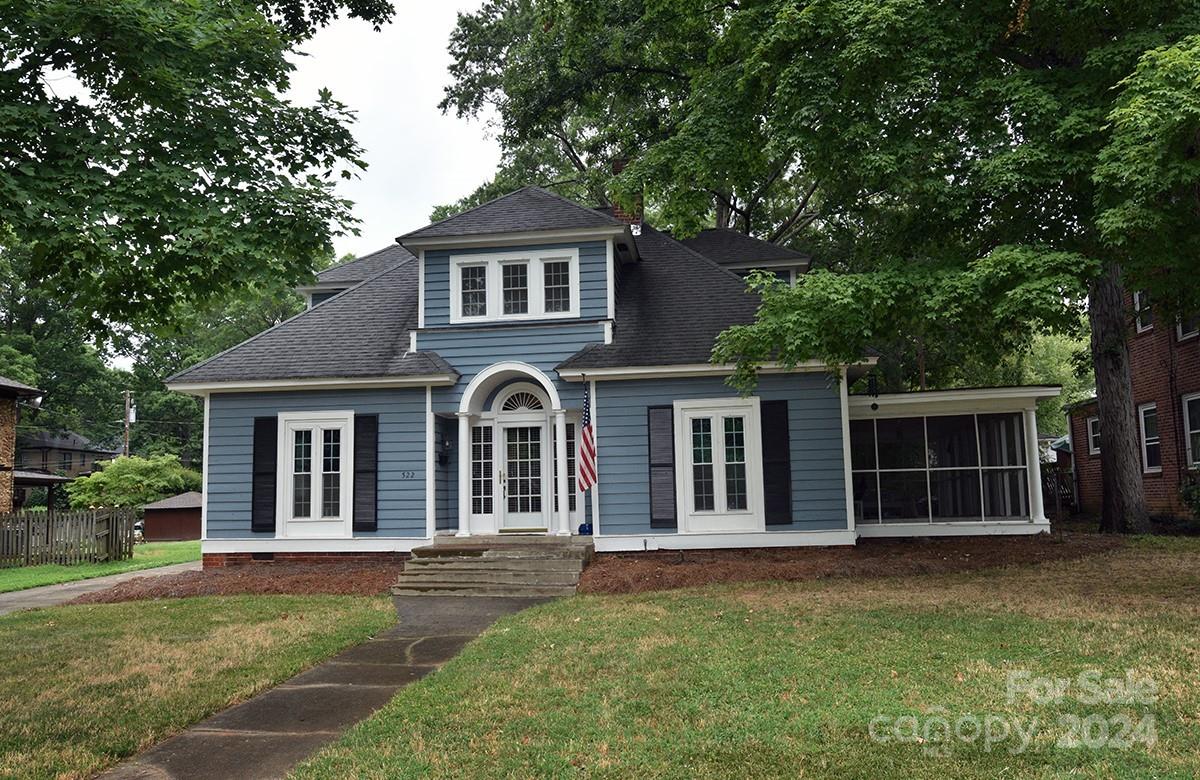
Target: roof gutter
[(689, 370), (327, 383)]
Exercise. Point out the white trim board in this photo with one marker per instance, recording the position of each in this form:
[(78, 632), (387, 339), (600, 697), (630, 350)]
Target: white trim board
[(357, 544), (719, 541), (327, 383), (982, 528), (933, 402), (513, 239), (688, 370)]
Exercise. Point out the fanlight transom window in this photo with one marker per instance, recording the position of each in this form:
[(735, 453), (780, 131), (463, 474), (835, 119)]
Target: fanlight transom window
[(522, 401)]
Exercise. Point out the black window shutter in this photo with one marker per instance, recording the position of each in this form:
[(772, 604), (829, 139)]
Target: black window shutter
[(660, 426), (366, 471), (777, 462), (263, 474)]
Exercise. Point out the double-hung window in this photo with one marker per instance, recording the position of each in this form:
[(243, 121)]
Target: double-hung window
[(514, 286), (1143, 313), (1188, 327), (315, 454), (1093, 434), (1191, 428), (1151, 447), (719, 456)]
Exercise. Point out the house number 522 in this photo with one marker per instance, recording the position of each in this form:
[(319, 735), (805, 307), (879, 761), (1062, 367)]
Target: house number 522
[(408, 475)]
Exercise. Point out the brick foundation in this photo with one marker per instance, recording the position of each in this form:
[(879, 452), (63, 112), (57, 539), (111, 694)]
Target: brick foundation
[(221, 560)]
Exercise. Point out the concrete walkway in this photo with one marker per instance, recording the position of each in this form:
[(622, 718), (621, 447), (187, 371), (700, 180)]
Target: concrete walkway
[(53, 595), (268, 735)]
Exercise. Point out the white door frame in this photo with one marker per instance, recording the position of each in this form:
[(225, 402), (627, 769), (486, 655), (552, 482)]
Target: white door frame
[(340, 527), (529, 520), (719, 519)]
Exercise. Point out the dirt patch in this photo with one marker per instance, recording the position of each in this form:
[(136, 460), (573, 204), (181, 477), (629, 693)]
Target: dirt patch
[(346, 579), (638, 572)]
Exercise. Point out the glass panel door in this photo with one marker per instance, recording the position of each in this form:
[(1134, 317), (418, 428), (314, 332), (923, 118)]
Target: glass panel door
[(521, 477)]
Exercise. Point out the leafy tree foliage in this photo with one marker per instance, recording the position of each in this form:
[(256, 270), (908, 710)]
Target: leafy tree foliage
[(132, 481), (148, 155)]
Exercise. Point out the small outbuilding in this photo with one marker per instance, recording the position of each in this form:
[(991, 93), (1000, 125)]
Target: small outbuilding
[(173, 519)]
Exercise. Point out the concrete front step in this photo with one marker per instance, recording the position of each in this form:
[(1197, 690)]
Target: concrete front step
[(518, 591), (529, 564), (433, 552), (483, 576)]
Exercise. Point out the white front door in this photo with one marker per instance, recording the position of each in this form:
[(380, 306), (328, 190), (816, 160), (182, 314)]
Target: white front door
[(524, 476)]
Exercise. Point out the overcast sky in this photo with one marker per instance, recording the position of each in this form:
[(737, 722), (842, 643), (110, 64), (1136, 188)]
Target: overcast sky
[(417, 158)]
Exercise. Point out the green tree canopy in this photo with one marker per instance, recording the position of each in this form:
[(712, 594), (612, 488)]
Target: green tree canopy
[(148, 155), (132, 481)]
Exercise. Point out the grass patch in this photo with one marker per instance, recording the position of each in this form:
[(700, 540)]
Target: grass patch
[(145, 556), (784, 680), (84, 686)]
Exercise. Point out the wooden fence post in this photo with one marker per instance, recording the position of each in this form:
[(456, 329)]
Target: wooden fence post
[(28, 522)]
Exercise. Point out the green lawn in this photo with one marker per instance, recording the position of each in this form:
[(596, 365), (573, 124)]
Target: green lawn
[(84, 686), (145, 556), (785, 680)]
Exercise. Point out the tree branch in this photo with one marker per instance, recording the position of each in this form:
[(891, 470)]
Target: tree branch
[(786, 226)]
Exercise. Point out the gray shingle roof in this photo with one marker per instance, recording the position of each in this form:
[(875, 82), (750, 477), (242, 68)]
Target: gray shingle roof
[(365, 267), (66, 440), (670, 307), (188, 500), (529, 208), (362, 332), (11, 387), (729, 247)]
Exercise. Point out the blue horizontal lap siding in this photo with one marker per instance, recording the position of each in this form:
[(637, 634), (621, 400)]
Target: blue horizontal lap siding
[(593, 270), (401, 502), (814, 428), (472, 349)]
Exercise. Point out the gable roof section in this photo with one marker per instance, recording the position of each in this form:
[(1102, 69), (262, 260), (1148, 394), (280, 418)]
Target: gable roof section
[(188, 500), (730, 247), (365, 267), (11, 388), (527, 209), (670, 307), (360, 333)]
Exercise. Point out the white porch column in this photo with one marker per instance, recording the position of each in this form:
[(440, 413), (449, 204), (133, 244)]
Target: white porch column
[(464, 474), (560, 472), (1033, 462)]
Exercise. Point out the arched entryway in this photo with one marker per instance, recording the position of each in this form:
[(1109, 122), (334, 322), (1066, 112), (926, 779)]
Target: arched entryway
[(513, 454)]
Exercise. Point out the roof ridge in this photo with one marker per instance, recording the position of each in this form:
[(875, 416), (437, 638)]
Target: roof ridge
[(279, 325), (564, 199), (689, 250), (529, 187)]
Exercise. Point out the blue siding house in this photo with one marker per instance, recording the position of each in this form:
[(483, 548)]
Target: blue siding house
[(438, 387)]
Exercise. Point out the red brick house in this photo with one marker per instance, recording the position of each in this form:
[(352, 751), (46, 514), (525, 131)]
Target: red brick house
[(1165, 369)]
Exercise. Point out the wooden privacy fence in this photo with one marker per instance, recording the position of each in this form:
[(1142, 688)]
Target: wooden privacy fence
[(78, 536)]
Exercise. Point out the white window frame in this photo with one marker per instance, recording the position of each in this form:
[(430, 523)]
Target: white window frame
[(340, 527), (1146, 467), (1093, 437), (1193, 458), (753, 517), (1137, 313), (1180, 335), (495, 293)]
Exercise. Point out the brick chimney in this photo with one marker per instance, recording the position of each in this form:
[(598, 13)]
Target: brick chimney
[(633, 217)]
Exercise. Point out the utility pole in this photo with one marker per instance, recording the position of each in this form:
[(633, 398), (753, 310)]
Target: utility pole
[(128, 407)]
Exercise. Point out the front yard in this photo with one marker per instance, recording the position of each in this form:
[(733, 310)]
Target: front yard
[(830, 678), (83, 686), (145, 556)]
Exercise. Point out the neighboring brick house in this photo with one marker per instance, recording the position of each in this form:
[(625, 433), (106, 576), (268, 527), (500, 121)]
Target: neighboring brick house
[(10, 392), (1165, 369)]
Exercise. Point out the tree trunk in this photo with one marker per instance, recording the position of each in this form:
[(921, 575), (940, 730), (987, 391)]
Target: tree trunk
[(1124, 506)]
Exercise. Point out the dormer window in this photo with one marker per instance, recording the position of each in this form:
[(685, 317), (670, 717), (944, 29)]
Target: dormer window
[(514, 286)]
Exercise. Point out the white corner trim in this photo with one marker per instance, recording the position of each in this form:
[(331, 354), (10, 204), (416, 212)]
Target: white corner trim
[(421, 289), (430, 458), (524, 237), (595, 489), (412, 342), (972, 528), (608, 331), (610, 284), (686, 370), (357, 544), (204, 475), (716, 541), (927, 402), (331, 383), (847, 465)]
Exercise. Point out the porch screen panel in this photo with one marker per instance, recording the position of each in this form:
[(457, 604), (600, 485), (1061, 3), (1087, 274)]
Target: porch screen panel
[(1005, 481), (953, 452)]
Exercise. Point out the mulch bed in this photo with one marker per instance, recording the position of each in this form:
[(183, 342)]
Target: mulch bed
[(638, 572), (344, 579)]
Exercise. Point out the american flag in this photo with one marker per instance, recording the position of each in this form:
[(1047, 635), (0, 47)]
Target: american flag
[(587, 445)]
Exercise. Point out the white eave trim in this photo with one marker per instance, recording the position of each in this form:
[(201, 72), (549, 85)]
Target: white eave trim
[(309, 289), (686, 370), (279, 385), (513, 239), (984, 399)]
